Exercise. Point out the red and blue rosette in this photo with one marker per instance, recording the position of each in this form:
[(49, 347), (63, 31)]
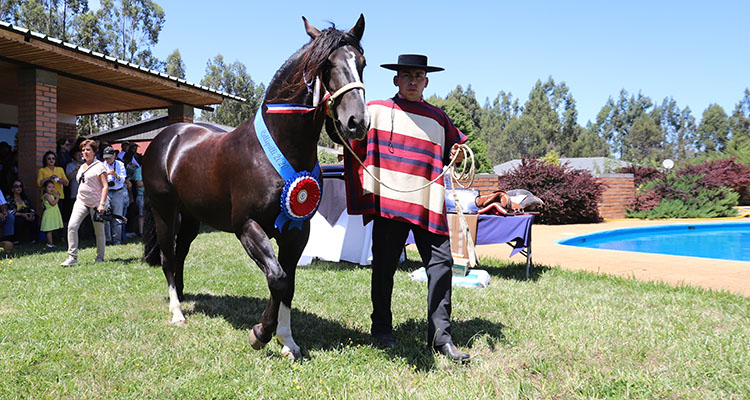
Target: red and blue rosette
[(299, 199), (301, 195)]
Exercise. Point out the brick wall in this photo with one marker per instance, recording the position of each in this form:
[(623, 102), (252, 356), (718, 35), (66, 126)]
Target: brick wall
[(485, 183), (68, 131), (620, 191), (37, 124)]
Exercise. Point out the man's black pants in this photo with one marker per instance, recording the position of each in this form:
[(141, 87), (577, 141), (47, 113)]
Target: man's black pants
[(388, 239)]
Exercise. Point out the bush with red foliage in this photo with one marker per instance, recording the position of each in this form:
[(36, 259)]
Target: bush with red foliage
[(641, 174), (717, 173), (644, 201), (569, 195)]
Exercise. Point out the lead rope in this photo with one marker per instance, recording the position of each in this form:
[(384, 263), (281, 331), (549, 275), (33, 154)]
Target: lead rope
[(465, 171)]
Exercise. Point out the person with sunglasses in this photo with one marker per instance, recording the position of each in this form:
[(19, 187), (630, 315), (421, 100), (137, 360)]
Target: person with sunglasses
[(51, 171), (26, 228), (91, 198)]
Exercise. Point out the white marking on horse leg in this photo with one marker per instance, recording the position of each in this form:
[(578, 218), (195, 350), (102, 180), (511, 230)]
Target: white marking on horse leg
[(174, 307), (284, 333)]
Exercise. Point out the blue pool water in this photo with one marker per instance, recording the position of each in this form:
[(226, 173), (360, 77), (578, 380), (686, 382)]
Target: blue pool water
[(727, 241)]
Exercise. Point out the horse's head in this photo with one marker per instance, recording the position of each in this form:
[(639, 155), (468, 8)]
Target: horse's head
[(342, 78)]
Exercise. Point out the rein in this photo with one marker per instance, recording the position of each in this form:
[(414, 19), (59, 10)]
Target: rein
[(455, 175)]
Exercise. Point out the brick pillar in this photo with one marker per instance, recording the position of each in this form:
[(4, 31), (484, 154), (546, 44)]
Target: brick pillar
[(180, 113), (37, 125), (620, 191)]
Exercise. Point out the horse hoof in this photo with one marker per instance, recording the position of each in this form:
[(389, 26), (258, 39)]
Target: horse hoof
[(255, 343), (179, 322), (292, 355)]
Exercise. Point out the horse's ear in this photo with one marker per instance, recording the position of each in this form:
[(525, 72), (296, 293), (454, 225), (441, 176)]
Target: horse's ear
[(359, 28), (311, 30)]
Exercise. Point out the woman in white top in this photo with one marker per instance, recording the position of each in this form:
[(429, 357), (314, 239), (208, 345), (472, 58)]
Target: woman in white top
[(92, 197)]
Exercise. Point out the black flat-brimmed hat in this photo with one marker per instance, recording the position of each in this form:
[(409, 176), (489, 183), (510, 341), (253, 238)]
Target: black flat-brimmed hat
[(416, 61)]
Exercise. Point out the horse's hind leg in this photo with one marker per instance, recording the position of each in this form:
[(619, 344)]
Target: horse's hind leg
[(165, 235), (189, 228), (258, 246)]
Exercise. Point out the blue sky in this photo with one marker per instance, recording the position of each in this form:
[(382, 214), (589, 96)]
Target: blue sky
[(693, 51)]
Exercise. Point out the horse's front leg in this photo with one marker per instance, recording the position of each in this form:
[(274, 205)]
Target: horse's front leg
[(291, 245), (258, 247)]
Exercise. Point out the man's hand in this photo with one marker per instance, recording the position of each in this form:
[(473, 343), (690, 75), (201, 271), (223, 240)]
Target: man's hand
[(455, 152)]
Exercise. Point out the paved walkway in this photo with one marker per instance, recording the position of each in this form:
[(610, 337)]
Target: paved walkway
[(733, 276)]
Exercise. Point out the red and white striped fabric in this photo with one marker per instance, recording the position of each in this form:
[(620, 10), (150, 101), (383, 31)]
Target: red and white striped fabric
[(407, 146)]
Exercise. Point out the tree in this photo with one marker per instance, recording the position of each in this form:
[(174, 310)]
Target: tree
[(468, 100), (678, 130), (645, 140), (588, 144), (462, 119), (130, 27), (174, 65), (233, 79), (713, 131), (545, 120), (615, 121), (494, 119), (740, 121), (50, 17)]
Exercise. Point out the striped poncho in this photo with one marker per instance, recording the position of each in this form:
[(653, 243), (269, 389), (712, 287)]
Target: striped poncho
[(406, 147)]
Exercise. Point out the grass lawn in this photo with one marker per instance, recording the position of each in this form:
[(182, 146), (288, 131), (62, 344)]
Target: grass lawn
[(100, 331)]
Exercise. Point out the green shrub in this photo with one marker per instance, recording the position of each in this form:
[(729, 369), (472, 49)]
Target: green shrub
[(684, 196)]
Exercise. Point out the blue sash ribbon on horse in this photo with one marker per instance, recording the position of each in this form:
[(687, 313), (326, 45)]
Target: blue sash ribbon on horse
[(301, 195)]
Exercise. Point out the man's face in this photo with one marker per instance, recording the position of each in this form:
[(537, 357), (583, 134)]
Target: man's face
[(411, 83)]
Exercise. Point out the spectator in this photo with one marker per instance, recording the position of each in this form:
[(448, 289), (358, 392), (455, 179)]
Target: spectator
[(129, 156), (7, 220), (70, 172), (26, 227), (7, 173), (63, 152), (92, 197), (118, 194), (124, 147), (64, 158), (138, 191), (52, 172), (51, 219)]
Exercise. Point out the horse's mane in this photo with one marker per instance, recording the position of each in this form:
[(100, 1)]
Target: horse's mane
[(311, 59)]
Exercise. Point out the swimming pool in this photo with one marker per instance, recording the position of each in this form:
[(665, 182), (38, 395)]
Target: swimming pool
[(725, 241)]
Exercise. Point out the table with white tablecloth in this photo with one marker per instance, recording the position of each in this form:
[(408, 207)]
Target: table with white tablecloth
[(334, 234)]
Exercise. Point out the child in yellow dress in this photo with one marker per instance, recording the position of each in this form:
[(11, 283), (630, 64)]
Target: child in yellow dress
[(51, 219)]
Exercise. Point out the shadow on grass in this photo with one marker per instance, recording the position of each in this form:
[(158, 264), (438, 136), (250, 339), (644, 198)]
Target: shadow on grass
[(309, 330), (411, 340), (514, 270), (312, 332), (496, 268)]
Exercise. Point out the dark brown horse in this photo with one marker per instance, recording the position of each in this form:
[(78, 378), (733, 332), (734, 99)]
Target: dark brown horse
[(196, 173)]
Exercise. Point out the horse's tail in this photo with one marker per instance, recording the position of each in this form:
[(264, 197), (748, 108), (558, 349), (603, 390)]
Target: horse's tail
[(151, 249)]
